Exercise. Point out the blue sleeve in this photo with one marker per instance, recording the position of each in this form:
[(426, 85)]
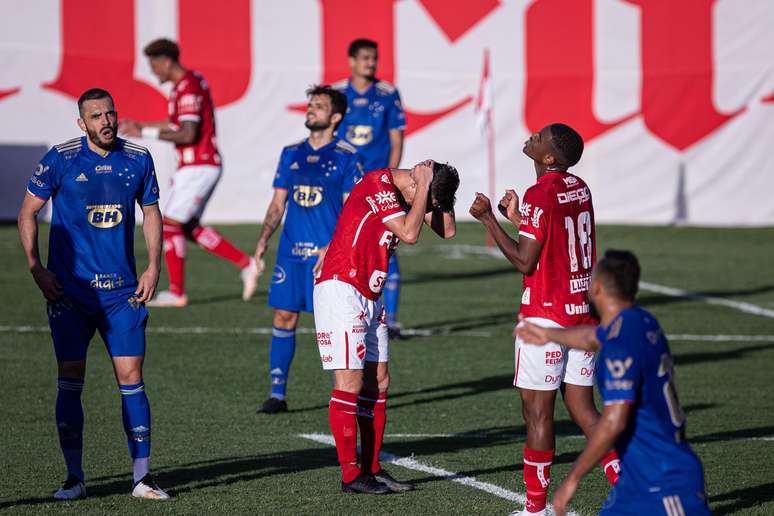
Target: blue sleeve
[(396, 117), (44, 181), (150, 185), (620, 377), (352, 174), (281, 178)]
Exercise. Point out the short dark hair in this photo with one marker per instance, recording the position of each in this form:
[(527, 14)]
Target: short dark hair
[(163, 48), (619, 271), (568, 143), (338, 99), (93, 94), (359, 44), (444, 186)]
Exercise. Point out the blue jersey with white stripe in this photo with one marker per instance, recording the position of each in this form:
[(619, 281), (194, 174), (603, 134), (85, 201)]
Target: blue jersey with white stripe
[(370, 117), (91, 242), (635, 366), (316, 181)]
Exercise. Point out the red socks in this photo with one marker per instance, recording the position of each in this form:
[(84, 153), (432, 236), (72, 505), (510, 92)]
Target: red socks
[(174, 256), (537, 477), (341, 417), (214, 242), (371, 418), (611, 466)]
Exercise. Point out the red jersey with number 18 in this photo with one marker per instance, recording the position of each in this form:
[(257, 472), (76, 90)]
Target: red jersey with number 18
[(557, 212), (361, 245)]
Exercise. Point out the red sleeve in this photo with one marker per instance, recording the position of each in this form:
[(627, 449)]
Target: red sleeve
[(535, 212), (189, 103), (381, 196)]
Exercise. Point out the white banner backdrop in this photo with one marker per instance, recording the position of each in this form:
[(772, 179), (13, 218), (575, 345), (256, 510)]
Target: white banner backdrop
[(674, 99)]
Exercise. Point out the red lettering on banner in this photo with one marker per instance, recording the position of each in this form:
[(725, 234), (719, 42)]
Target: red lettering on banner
[(98, 51), (457, 18), (215, 40), (560, 67), (342, 23), (8, 93), (770, 98), (677, 36)]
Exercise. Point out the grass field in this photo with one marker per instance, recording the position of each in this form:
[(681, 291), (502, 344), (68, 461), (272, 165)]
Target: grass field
[(452, 406)]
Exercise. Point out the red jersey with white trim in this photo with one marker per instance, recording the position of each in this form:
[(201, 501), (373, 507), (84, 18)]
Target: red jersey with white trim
[(558, 212), (361, 245), (191, 101)]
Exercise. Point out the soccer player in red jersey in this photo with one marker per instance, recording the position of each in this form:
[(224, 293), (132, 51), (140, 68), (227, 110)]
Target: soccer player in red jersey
[(348, 311), (191, 127), (555, 251)]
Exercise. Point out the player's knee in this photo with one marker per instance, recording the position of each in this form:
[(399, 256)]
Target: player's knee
[(536, 415), (348, 380), (189, 227), (75, 370), (285, 320)]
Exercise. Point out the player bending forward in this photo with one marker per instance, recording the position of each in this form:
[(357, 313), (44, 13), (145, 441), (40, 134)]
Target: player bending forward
[(348, 312), (660, 474), (555, 251)]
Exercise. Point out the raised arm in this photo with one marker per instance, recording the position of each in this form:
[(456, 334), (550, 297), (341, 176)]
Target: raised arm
[(271, 220), (408, 227), (28, 233), (186, 134)]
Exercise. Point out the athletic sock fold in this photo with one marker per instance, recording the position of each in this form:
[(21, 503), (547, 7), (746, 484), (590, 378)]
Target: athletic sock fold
[(371, 419), (69, 424), (283, 347), (342, 419), (135, 410), (537, 477)]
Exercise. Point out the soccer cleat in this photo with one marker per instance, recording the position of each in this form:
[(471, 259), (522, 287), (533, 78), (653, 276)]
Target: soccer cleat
[(166, 299), (148, 489), (396, 486), (525, 512), (72, 489), (273, 406), (250, 275), (365, 484)]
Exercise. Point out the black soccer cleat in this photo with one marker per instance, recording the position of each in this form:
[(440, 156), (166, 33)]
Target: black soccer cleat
[(365, 484), (273, 406), (396, 486)]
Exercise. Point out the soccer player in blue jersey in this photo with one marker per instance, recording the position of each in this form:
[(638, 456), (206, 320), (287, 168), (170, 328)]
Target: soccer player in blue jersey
[(90, 281), (642, 418), (374, 124), (313, 179)]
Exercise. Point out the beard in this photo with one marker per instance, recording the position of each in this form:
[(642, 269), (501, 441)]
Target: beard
[(96, 138), (317, 126)]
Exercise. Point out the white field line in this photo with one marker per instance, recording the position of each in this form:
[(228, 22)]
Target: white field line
[(505, 435), (742, 306), (411, 463), (206, 330)]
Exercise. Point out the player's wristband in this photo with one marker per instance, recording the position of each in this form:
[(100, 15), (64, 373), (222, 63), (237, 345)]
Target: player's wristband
[(150, 133)]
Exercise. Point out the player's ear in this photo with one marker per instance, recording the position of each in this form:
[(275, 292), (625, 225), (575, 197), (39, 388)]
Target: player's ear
[(82, 124), (549, 159), (336, 118)]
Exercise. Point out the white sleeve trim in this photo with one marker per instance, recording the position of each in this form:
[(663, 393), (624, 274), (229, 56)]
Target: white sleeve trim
[(528, 235), (393, 216), (37, 196), (618, 402), (189, 118)]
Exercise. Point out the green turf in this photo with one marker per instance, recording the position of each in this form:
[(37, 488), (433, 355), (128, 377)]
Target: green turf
[(214, 455)]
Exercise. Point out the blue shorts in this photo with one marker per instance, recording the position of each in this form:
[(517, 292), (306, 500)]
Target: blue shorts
[(121, 323), (292, 285), (672, 504)]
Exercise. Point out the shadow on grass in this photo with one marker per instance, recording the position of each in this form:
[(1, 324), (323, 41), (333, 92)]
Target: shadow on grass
[(647, 300), (225, 298), (210, 473), (721, 356), (742, 499), (430, 277)]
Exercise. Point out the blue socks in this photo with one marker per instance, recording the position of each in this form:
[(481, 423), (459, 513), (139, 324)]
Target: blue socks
[(283, 347), (136, 415), (69, 424), (392, 291)]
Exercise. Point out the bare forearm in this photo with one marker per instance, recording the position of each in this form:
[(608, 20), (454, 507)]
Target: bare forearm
[(271, 221), (508, 246), (579, 337), (28, 233), (416, 216), (152, 230)]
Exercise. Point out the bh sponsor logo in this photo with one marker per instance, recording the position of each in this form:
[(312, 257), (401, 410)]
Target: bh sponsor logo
[(359, 134), (307, 196), (572, 309), (104, 215)]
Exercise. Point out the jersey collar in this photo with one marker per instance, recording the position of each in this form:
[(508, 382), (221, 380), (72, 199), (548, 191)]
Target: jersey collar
[(321, 149)]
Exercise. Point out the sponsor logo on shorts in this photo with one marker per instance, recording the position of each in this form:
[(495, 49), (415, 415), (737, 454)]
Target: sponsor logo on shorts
[(553, 357), (359, 329), (324, 338), (104, 215), (278, 275), (106, 281), (587, 372), (362, 315), (361, 351), (552, 379), (326, 359), (580, 283), (572, 309)]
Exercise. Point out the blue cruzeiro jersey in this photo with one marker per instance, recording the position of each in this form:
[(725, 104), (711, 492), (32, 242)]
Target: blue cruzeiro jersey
[(316, 181), (91, 242), (635, 366), (370, 117)]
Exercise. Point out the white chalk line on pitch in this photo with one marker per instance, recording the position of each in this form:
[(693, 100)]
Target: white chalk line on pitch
[(411, 463), (207, 330)]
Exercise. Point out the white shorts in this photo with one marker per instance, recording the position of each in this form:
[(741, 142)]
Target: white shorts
[(544, 368), (189, 190), (350, 327)]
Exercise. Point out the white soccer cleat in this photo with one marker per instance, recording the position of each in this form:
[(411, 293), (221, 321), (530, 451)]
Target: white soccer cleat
[(250, 275), (72, 489), (166, 299), (148, 489)]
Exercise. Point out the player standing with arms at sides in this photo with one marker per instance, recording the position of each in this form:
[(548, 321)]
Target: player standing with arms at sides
[(90, 281), (660, 473), (374, 124), (191, 127), (348, 312), (555, 251), (313, 179)]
